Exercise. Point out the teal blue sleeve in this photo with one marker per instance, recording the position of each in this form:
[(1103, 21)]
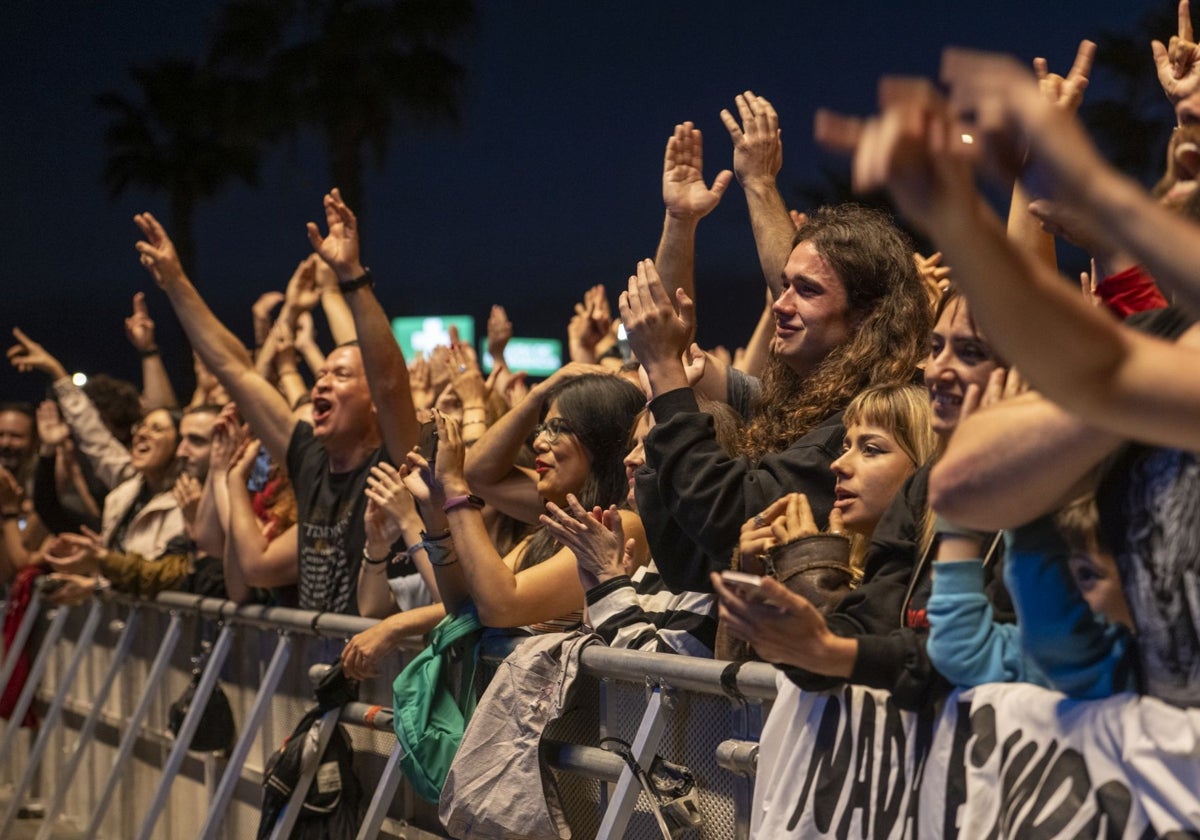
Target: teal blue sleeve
[(1082, 654), (966, 644)]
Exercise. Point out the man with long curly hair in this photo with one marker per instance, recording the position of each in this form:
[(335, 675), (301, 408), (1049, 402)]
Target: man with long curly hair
[(852, 313)]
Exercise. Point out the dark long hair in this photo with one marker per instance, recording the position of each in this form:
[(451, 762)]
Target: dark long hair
[(887, 303), (601, 411)]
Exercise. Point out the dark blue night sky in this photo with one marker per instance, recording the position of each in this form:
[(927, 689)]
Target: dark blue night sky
[(550, 185)]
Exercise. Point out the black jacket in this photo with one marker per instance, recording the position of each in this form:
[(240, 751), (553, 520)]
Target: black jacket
[(693, 498)]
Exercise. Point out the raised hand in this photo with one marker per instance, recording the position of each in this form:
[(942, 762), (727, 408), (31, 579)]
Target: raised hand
[(381, 528), (52, 429), (684, 191), (911, 148), (1003, 384), (935, 275), (658, 332), (385, 487), (467, 380), (302, 294), (242, 464), (1067, 92), (139, 327), (306, 332), (694, 364), (157, 251), (339, 247), (1178, 63), (187, 492), (27, 355), (757, 142), (1016, 131), (441, 369), (12, 494), (451, 454), (420, 383), (589, 325), (417, 475), (228, 434), (262, 312), (499, 333), (597, 539)]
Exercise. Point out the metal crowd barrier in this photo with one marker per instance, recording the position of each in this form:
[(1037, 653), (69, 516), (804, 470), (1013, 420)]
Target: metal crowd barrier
[(104, 675)]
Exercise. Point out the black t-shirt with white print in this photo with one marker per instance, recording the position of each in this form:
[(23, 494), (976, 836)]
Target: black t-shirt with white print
[(330, 509)]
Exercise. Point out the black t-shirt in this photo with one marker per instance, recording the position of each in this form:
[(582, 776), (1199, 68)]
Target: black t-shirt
[(330, 509)]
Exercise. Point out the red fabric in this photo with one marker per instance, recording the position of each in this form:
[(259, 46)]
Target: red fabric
[(19, 595), (1129, 291)]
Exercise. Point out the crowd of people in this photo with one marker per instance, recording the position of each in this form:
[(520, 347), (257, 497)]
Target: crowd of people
[(923, 471)]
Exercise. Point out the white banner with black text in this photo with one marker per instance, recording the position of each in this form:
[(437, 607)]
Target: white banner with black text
[(996, 761)]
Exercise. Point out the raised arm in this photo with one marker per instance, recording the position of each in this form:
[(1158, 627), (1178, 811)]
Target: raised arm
[(1024, 228), (108, 457), (468, 567), (491, 462), (156, 385), (688, 200), (222, 353), (212, 514), (757, 159), (250, 558), (1071, 351), (333, 303), (383, 361), (1014, 461), (1178, 62)]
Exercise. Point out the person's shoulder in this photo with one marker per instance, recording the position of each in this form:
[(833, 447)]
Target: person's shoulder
[(826, 436)]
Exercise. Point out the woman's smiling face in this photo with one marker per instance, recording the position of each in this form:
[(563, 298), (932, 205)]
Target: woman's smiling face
[(561, 462), (958, 358)]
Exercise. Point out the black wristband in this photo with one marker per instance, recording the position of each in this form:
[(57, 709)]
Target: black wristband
[(148, 352), (365, 279)]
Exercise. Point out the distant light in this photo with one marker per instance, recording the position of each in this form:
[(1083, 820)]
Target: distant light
[(968, 139), (79, 379)]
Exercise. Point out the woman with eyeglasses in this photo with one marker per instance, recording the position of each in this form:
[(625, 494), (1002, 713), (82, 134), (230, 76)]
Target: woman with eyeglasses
[(578, 424)]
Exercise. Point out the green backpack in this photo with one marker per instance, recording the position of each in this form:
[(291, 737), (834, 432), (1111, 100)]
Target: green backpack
[(429, 721)]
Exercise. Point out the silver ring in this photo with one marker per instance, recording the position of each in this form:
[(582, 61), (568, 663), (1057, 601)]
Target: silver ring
[(462, 368), (759, 522)]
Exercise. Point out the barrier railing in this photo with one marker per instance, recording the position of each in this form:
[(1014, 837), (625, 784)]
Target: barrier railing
[(108, 672)]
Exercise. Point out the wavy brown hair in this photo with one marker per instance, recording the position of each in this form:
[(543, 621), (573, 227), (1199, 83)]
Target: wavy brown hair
[(889, 312)]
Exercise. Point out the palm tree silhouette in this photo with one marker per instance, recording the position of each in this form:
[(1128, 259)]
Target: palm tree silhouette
[(185, 136), (352, 70)]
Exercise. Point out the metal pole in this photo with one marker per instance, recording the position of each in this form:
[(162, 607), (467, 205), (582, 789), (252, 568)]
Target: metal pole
[(124, 644), (83, 646), (233, 769), (187, 729), (24, 629), (35, 676), (157, 671), (382, 798), (644, 745), (325, 725)]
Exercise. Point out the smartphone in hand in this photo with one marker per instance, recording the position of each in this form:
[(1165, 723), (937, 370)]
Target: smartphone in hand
[(746, 586)]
